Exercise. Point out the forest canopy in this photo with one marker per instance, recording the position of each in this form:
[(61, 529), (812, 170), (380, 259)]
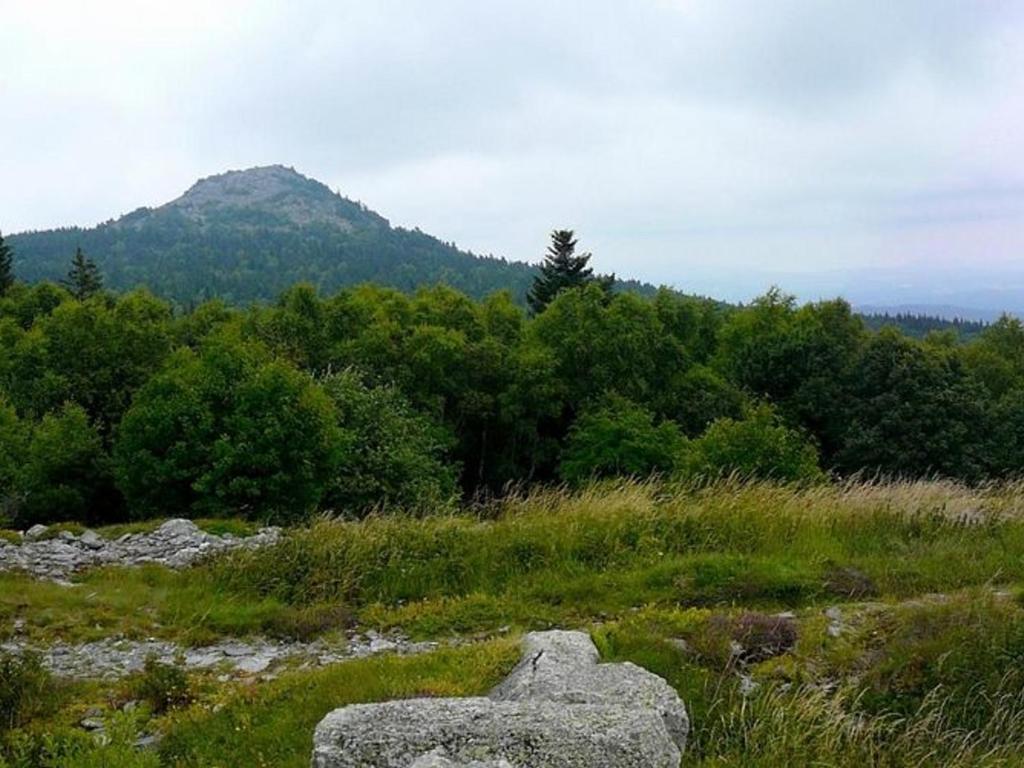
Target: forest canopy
[(117, 406)]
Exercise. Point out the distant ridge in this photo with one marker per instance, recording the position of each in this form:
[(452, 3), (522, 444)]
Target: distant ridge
[(247, 235)]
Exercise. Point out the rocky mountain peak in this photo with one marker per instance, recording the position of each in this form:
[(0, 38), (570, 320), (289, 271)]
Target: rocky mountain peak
[(267, 196)]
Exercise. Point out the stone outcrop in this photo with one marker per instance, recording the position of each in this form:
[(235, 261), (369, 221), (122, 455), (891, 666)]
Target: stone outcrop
[(113, 658), (176, 544), (558, 708)]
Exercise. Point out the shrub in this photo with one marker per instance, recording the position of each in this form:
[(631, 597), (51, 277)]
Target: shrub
[(755, 447), (27, 689), (163, 686), (392, 456), (13, 444), (616, 437), (226, 432), (66, 473)]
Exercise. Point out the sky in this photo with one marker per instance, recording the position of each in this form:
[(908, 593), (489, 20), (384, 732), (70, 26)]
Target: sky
[(869, 148)]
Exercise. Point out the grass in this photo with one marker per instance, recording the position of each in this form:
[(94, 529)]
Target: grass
[(273, 725), (558, 558), (924, 672)]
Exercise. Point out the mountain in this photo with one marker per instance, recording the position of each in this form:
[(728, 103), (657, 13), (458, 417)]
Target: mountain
[(247, 235)]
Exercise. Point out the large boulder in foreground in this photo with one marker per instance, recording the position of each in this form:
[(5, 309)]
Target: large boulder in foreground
[(543, 734), (563, 667), (559, 708)]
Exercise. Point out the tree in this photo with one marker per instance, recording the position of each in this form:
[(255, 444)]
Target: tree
[(84, 279), (758, 446), (66, 474), (6, 266), (915, 410), (615, 437), (393, 456), (562, 269), (228, 431), (14, 435)]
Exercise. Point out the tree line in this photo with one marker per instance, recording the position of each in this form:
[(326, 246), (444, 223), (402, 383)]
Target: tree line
[(115, 405)]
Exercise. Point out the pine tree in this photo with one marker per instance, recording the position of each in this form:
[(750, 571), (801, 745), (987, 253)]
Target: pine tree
[(84, 279), (562, 269), (6, 266)]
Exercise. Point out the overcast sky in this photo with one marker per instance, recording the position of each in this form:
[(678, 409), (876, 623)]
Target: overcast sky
[(870, 147)]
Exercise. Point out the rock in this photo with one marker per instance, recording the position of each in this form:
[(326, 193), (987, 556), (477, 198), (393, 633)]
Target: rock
[(558, 707), (563, 667), (175, 544), (437, 759), (525, 734), (91, 539), (179, 527), (92, 723), (35, 531)]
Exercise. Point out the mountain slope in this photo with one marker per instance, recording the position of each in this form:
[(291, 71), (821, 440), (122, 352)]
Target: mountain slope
[(247, 235)]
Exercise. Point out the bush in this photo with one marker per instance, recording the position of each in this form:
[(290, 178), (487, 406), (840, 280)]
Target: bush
[(163, 686), (392, 456), (66, 473), (26, 690), (615, 437), (228, 432), (13, 445), (755, 447)]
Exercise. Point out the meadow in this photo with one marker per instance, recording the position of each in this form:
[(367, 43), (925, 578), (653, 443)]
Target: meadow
[(847, 624)]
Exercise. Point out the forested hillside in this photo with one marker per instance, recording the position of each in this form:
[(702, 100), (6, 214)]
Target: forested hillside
[(246, 236), (920, 325)]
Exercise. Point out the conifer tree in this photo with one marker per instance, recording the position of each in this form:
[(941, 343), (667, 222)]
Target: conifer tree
[(6, 266), (84, 279), (562, 269)]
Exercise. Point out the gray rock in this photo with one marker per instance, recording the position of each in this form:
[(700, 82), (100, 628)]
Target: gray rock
[(91, 539), (437, 759), (175, 544), (526, 734), (558, 707), (35, 531), (563, 667)]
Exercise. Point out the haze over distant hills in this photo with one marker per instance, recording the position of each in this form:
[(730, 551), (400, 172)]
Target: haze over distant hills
[(247, 235)]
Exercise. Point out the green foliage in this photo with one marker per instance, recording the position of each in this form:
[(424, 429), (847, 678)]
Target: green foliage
[(272, 725), (163, 686), (228, 431), (915, 410), (562, 270), (6, 267), (14, 440), (66, 747), (757, 446), (616, 438), (66, 474), (26, 690), (393, 456), (84, 279)]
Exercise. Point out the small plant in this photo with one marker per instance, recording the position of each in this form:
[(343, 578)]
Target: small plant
[(164, 686), (27, 689), (306, 623), (851, 583)]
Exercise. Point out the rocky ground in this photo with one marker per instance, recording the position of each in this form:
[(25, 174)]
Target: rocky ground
[(116, 657), (175, 544)]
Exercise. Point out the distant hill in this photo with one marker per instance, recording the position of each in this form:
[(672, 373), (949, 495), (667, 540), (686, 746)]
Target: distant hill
[(920, 325), (247, 235)]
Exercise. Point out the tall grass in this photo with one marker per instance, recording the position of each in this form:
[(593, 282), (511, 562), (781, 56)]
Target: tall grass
[(611, 547)]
